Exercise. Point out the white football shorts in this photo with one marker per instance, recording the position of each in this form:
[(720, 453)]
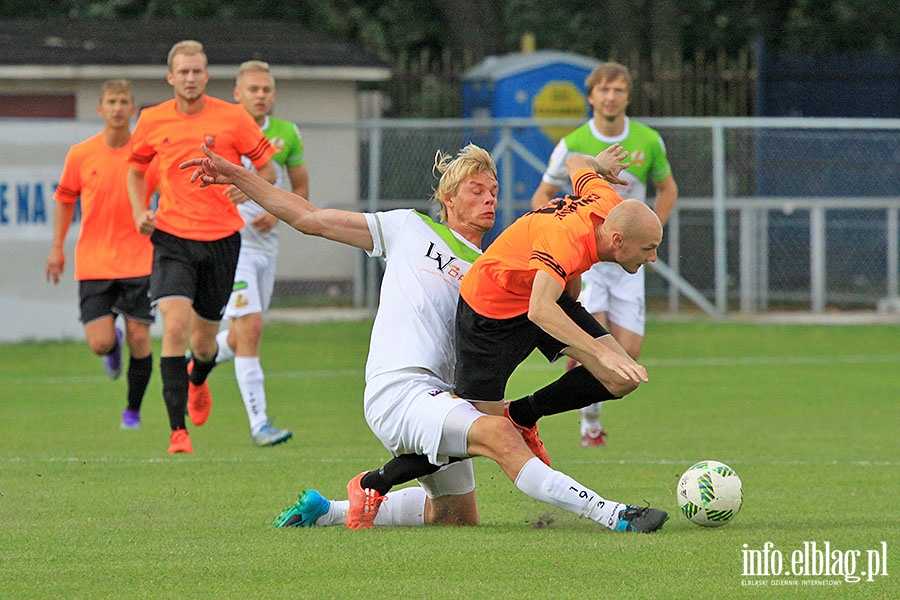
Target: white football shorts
[(411, 413), (254, 281), (608, 288)]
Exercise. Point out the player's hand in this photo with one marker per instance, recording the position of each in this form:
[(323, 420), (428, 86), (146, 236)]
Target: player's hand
[(145, 222), (210, 170), (264, 222), (624, 366), (56, 264), (611, 162)]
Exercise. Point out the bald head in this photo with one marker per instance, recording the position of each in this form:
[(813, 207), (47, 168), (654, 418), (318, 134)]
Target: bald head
[(630, 235), (633, 218)]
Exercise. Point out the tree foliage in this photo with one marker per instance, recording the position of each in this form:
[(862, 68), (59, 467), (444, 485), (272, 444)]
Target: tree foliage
[(602, 28)]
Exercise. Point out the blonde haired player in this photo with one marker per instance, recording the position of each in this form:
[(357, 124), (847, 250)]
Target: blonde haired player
[(408, 403), (254, 277), (194, 231)]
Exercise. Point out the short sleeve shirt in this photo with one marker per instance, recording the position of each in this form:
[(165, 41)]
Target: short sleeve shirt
[(185, 209), (558, 239), (285, 139), (416, 319), (646, 155), (109, 246)]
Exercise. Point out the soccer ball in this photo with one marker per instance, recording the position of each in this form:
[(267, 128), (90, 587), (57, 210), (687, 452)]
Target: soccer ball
[(709, 493)]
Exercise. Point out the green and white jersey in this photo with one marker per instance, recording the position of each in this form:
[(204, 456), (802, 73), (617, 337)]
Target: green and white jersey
[(285, 137), (646, 153), (415, 324)]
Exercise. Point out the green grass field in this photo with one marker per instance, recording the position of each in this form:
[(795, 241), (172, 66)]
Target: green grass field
[(809, 417)]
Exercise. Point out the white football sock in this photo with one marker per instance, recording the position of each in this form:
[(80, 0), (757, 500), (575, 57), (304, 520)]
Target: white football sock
[(547, 485), (405, 507), (336, 515), (402, 508), (250, 380), (224, 353), (590, 417)]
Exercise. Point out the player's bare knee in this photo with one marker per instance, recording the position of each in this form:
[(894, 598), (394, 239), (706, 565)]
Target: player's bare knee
[(102, 346), (493, 437)]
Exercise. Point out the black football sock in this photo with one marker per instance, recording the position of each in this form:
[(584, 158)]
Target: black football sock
[(201, 369), (576, 389), (399, 469), (173, 372), (139, 371)]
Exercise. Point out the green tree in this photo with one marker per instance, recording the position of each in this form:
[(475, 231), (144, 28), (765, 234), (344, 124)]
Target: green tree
[(601, 28)]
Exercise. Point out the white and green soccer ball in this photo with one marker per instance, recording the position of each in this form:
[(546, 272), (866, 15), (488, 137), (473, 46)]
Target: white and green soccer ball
[(709, 493)]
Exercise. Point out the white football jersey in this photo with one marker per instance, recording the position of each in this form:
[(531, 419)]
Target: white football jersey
[(415, 323)]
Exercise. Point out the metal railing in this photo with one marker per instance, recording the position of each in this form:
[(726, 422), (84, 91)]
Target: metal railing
[(746, 184)]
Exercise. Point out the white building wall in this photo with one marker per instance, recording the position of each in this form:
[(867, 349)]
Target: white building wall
[(31, 159)]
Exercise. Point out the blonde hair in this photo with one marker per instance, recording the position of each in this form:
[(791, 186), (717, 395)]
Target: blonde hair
[(452, 170), (608, 71), (186, 47), (254, 66), (116, 86)]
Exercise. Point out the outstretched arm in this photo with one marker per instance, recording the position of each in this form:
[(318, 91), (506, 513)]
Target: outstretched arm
[(339, 225)]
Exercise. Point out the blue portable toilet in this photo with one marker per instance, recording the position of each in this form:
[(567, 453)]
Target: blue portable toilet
[(544, 84)]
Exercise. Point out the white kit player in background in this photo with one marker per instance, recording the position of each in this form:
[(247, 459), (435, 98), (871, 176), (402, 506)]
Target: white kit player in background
[(614, 297), (411, 360), (254, 278)]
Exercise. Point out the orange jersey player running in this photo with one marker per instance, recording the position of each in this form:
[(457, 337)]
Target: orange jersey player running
[(514, 298), (112, 260), (194, 231)]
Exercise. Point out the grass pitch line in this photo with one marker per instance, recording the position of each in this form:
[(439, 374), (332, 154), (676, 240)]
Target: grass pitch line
[(721, 361), (357, 460)]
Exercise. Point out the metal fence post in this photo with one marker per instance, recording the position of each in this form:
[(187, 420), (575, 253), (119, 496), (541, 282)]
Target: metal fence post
[(893, 253), (507, 185), (374, 200), (720, 233), (674, 256), (817, 259)]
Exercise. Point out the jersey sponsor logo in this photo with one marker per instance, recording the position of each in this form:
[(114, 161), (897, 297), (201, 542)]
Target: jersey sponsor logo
[(448, 266), (434, 393)]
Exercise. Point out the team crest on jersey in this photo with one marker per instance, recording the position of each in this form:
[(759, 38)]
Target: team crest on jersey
[(241, 301), (637, 158), (210, 140), (277, 143), (433, 393)]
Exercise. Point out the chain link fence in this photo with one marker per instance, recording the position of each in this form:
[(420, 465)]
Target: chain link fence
[(773, 213)]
